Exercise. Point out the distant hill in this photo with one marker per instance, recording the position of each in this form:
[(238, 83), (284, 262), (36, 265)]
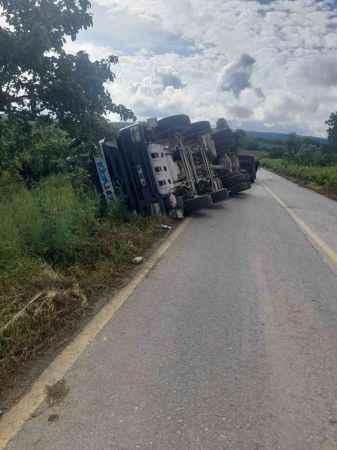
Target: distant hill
[(270, 136)]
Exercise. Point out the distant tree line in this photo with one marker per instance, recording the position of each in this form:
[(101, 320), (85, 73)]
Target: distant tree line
[(297, 149)]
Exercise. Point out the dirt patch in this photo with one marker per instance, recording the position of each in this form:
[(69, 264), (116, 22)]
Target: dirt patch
[(56, 393), (53, 418)]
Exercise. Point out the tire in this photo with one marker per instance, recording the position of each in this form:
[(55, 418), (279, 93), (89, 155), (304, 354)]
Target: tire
[(197, 203), (234, 180), (174, 123), (246, 176), (224, 141), (220, 196), (223, 137), (240, 187), (198, 129)]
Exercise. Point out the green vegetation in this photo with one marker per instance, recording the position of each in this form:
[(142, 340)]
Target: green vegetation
[(311, 161), (57, 247), (39, 78), (323, 177), (50, 222), (279, 146)]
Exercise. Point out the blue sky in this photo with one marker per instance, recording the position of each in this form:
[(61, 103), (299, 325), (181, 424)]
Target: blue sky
[(262, 64)]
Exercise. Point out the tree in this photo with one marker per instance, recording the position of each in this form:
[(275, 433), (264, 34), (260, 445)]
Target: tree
[(332, 131), (293, 144), (32, 150), (309, 154), (38, 77)]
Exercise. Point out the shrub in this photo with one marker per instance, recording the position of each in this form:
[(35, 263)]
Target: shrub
[(68, 218), (115, 212), (10, 243), (51, 221), (34, 150)]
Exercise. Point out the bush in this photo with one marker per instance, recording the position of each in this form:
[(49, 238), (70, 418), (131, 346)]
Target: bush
[(51, 222), (10, 242), (32, 151), (115, 212)]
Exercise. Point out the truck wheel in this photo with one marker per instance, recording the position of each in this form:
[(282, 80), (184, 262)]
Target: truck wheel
[(240, 187), (220, 196), (195, 204), (198, 129), (232, 180), (223, 137), (174, 123)]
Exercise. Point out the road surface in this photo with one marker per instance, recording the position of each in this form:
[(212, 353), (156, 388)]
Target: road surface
[(229, 343)]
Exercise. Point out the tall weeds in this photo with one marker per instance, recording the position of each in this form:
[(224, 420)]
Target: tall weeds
[(49, 222), (322, 176)]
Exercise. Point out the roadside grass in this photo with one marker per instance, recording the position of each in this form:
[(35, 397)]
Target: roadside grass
[(58, 253), (323, 178)]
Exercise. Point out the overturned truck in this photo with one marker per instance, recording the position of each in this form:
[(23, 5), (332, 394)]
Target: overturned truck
[(169, 166), (150, 169)]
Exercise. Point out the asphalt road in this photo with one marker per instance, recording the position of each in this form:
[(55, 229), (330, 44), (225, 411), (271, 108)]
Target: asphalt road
[(229, 343)]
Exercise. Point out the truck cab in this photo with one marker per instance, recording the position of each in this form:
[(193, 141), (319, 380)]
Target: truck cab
[(156, 170)]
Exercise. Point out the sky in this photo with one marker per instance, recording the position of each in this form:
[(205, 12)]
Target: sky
[(268, 65)]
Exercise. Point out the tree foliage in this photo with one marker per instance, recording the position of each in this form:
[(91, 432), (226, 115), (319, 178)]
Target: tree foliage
[(332, 131), (32, 151), (293, 143), (38, 77)]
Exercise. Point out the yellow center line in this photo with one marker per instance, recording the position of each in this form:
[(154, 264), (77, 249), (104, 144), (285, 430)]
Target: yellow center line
[(318, 242), (14, 419)]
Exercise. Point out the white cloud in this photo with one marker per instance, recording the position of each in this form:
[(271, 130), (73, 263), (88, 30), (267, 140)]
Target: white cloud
[(236, 75), (320, 71), (275, 61)]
